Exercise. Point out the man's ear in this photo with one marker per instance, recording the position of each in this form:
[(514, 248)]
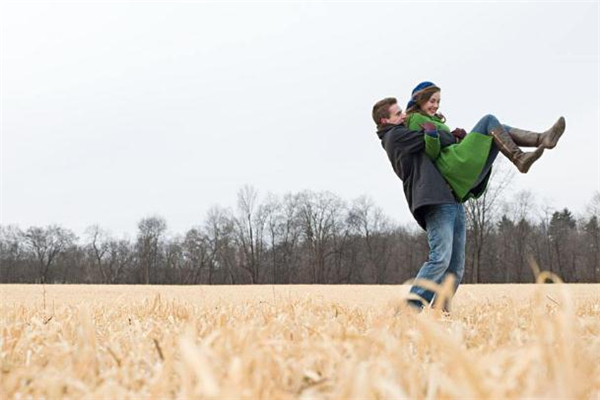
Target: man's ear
[(383, 121)]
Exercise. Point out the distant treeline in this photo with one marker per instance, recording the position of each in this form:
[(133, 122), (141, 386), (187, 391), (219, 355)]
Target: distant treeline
[(308, 237)]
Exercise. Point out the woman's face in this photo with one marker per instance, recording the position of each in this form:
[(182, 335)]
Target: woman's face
[(432, 105)]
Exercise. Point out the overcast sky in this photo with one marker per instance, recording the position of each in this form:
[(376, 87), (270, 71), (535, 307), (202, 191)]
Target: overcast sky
[(114, 111)]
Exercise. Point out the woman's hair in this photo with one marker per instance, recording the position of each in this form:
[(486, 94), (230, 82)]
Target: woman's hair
[(422, 97)]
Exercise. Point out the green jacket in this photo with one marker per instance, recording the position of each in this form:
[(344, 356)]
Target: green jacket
[(460, 164)]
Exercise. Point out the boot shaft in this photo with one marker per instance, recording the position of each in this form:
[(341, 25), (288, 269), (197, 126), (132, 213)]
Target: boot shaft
[(548, 139), (511, 150)]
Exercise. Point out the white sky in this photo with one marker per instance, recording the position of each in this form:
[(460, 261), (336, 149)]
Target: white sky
[(112, 111)]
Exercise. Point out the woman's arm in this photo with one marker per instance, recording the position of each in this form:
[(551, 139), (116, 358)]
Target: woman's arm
[(432, 140), (421, 123), (415, 120)]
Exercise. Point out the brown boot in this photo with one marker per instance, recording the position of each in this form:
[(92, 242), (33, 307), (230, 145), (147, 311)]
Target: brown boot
[(509, 148), (548, 139)]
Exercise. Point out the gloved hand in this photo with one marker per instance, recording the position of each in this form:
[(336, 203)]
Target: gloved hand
[(429, 128), (459, 133)]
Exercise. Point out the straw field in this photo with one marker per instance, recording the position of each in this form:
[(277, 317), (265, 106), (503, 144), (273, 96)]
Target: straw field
[(289, 342)]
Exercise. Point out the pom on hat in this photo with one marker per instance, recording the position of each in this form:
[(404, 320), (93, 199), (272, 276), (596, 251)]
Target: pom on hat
[(418, 88)]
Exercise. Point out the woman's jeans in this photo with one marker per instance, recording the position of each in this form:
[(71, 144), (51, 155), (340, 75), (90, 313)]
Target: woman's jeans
[(446, 234), (486, 124)]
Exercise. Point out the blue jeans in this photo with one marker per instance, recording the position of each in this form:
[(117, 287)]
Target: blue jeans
[(446, 234), (486, 124)]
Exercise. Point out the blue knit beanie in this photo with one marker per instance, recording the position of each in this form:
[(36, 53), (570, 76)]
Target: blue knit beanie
[(418, 88)]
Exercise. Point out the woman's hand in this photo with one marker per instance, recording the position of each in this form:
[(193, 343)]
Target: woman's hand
[(429, 128)]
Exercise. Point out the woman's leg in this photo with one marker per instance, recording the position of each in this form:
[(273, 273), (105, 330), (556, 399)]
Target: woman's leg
[(547, 139), (489, 125), (485, 124)]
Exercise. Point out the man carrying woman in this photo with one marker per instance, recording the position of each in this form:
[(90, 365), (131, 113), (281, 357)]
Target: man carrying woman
[(440, 169)]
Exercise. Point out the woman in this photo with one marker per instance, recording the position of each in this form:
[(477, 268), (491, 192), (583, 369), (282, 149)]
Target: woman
[(465, 160)]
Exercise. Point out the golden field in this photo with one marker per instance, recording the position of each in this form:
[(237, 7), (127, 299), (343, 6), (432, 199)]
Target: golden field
[(289, 342)]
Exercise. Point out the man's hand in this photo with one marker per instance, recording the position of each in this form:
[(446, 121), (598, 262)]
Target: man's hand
[(459, 133)]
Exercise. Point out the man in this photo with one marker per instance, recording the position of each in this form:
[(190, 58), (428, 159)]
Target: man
[(429, 197)]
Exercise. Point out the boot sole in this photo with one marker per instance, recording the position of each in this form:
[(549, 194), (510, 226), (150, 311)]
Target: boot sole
[(560, 126), (534, 157)]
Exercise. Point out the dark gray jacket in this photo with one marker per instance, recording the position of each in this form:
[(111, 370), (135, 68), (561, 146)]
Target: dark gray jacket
[(423, 183)]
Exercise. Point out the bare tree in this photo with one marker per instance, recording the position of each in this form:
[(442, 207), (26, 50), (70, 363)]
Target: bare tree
[(196, 254), (592, 237), (47, 243), (219, 228), (273, 221), (310, 237), (516, 229), (98, 248), (367, 220), (250, 226), (505, 233), (481, 213), (12, 247), (561, 230), (591, 248), (121, 256), (593, 208), (283, 231), (176, 269), (150, 232), (321, 217), (70, 266)]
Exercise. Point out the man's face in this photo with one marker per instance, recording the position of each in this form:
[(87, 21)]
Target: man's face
[(397, 117)]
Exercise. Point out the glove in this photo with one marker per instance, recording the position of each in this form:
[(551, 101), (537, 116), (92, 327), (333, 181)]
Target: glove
[(459, 133), (429, 128)]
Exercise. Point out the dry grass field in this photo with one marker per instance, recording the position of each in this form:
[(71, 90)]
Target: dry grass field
[(288, 342)]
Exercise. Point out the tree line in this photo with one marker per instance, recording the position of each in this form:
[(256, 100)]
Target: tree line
[(309, 238)]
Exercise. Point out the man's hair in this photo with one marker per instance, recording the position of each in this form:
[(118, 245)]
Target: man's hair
[(381, 109)]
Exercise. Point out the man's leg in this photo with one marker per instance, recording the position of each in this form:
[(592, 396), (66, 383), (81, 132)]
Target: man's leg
[(440, 221), (459, 241)]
